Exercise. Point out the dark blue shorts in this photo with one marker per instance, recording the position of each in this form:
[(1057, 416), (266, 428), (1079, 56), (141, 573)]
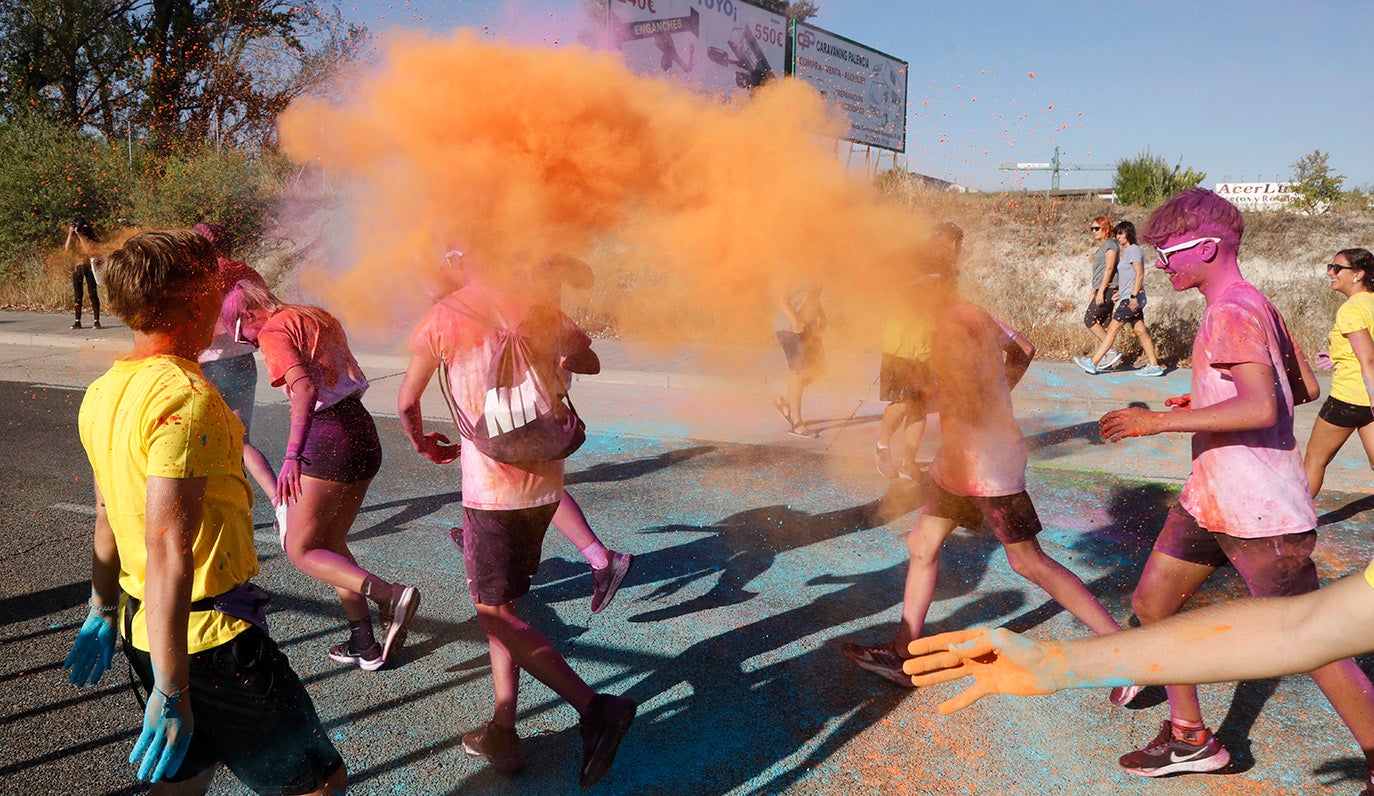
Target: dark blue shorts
[(1125, 315), (804, 352), (1011, 517)]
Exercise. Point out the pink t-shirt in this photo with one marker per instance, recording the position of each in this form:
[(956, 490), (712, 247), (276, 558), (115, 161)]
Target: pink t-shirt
[(1249, 484), (982, 452), (467, 346), (291, 338)]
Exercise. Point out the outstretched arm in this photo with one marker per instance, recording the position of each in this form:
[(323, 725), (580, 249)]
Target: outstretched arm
[(1241, 640), (1256, 405)]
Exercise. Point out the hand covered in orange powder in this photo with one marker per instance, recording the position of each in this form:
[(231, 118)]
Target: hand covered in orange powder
[(1132, 422), (1000, 662), (1184, 401)]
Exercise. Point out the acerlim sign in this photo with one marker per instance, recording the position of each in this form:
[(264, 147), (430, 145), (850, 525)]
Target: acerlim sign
[(1257, 195)]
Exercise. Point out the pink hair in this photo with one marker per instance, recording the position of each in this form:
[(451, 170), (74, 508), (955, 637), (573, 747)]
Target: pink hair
[(1195, 212)]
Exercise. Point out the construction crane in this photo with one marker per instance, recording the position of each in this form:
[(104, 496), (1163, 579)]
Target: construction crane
[(1054, 166)]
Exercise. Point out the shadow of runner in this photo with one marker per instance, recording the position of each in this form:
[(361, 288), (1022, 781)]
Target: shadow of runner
[(742, 547)]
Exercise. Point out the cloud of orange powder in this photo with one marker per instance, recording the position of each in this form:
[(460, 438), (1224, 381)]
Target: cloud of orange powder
[(696, 214)]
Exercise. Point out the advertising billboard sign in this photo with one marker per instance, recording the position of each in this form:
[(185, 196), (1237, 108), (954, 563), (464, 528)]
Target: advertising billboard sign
[(724, 47), (869, 86), (1257, 195)]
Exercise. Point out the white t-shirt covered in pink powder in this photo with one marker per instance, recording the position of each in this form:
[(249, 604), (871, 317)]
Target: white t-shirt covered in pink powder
[(467, 346), (982, 452), (1250, 484)]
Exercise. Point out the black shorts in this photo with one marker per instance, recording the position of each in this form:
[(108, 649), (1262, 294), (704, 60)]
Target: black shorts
[(804, 352), (902, 380), (343, 444), (253, 715), (1271, 566), (1011, 517), (1099, 314), (502, 550), (1125, 315), (1346, 415)]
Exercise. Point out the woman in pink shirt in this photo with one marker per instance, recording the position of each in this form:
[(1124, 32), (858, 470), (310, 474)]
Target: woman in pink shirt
[(331, 457)]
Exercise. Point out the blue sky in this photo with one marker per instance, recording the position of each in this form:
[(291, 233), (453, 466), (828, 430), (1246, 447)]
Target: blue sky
[(1239, 90)]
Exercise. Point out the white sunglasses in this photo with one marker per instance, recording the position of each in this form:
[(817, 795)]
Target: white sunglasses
[(1178, 247)]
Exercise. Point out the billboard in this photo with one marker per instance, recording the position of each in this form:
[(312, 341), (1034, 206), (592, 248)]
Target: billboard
[(1257, 195), (724, 47), (869, 86)]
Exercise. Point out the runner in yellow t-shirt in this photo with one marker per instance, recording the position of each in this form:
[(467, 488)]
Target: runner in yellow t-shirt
[(173, 532), (1351, 352)]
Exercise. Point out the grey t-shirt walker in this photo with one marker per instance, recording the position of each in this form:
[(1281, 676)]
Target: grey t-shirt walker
[(1125, 271), (1100, 262)]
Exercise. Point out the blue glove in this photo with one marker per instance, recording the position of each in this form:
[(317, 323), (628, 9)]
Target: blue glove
[(166, 734), (94, 647)]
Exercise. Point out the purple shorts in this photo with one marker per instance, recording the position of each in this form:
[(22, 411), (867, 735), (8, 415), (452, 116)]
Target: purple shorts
[(1011, 517), (1272, 566), (502, 550), (342, 445)]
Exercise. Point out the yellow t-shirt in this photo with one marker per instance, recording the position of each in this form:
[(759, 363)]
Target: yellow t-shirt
[(907, 336), (159, 417), (1347, 384), (1369, 574)]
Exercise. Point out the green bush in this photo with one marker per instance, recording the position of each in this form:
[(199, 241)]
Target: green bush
[(48, 176), (1147, 180), (233, 187)]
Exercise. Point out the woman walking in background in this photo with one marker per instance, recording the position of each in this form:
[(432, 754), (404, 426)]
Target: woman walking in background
[(331, 457), (1351, 349), (1130, 308), (81, 241)]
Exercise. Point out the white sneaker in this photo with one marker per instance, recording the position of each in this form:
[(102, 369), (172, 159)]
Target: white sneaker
[(280, 511)]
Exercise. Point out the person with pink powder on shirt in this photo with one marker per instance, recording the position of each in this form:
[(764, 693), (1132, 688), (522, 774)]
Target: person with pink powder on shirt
[(332, 455), (1246, 502), (507, 506), (979, 473)]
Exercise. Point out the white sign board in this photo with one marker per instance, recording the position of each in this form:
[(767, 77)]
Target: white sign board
[(723, 47), (1257, 195), (869, 86)]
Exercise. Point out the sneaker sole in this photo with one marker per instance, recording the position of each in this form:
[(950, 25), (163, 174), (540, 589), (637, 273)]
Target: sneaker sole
[(1121, 696), (365, 665), (504, 766), (896, 678), (606, 749), (1217, 761), (615, 585), (396, 631)]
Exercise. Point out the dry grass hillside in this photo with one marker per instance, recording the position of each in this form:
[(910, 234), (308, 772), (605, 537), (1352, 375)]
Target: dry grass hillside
[(1025, 262)]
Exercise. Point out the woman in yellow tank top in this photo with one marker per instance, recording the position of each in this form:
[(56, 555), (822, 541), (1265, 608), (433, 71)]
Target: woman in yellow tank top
[(1351, 349)]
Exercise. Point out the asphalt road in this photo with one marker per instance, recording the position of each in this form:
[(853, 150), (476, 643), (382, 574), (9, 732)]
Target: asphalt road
[(753, 562)]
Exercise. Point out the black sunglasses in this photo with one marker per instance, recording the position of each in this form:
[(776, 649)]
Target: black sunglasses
[(1094, 229), (1337, 267)]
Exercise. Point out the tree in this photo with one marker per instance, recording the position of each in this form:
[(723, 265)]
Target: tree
[(66, 60), (797, 10), (1147, 179), (1314, 183)]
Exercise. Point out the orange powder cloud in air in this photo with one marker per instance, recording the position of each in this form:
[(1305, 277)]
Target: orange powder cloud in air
[(695, 214)]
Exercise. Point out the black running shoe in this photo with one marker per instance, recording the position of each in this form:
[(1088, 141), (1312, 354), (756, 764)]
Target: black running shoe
[(606, 581), (604, 724), (497, 745), (1168, 755)]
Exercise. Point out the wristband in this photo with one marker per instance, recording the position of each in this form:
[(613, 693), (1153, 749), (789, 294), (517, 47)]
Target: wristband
[(296, 457), (103, 610)]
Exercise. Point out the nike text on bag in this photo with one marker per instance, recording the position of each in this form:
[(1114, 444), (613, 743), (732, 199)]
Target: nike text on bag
[(526, 415)]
